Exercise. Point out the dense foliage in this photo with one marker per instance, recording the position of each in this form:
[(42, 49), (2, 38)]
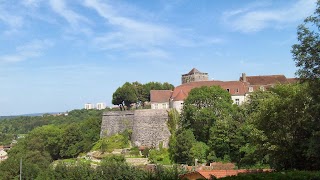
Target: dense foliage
[(111, 167), (136, 92), (209, 128), (12, 127), (275, 128), (63, 138)]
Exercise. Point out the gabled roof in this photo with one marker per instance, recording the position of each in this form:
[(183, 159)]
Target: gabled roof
[(180, 96), (292, 80), (235, 87), (266, 80), (160, 96)]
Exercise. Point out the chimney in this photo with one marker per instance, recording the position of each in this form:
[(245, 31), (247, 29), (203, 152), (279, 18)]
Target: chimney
[(244, 77)]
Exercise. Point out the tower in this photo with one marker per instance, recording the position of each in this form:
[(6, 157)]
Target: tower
[(194, 75)]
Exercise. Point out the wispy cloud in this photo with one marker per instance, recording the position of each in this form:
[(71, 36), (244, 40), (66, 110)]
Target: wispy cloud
[(252, 19), (11, 22), (128, 30), (152, 38), (73, 18), (29, 50)]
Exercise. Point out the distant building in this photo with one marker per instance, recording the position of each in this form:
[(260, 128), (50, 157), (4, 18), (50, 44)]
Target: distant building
[(100, 106), (264, 82), (160, 99), (88, 106), (193, 76), (239, 90)]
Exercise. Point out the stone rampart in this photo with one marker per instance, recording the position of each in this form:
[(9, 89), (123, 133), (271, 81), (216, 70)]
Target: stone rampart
[(149, 126)]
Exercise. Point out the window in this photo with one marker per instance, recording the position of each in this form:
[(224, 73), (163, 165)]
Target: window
[(237, 102), (164, 106), (228, 90), (237, 90), (250, 89), (155, 106), (261, 88)]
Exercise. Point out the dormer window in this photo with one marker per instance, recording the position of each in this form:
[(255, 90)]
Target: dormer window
[(237, 90), (228, 90)]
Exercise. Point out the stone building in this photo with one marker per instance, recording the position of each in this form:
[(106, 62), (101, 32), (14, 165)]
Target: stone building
[(193, 76), (239, 90)]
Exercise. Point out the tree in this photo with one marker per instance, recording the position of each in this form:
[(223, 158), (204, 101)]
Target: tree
[(282, 127), (71, 143), (141, 92), (306, 53), (182, 149), (125, 95), (136, 92), (203, 107)]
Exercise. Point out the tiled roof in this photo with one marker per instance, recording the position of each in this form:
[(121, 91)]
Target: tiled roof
[(180, 96), (266, 80), (160, 96), (221, 173), (235, 87), (292, 80)]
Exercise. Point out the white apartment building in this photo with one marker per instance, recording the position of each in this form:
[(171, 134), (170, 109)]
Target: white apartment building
[(88, 106), (100, 106)]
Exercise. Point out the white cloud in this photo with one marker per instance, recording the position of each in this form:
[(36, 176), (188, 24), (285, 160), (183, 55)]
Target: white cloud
[(29, 50), (73, 18), (252, 19), (12, 21), (147, 39), (128, 30)]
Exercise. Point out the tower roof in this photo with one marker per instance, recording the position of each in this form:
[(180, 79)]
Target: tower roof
[(194, 71)]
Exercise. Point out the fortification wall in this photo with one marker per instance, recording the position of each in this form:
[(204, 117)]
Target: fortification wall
[(149, 126), (116, 122)]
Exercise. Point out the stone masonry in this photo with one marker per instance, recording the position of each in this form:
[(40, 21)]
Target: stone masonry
[(149, 126)]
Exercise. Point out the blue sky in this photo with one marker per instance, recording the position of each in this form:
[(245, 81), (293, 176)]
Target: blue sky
[(57, 55)]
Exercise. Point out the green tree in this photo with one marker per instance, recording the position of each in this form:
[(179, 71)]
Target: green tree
[(203, 107), (282, 126), (184, 142), (199, 151), (306, 52), (306, 55), (71, 143), (125, 95)]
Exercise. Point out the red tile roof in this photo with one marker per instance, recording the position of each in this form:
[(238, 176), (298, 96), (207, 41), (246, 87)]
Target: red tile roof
[(219, 173), (292, 80), (235, 87), (160, 96), (266, 80), (180, 96)]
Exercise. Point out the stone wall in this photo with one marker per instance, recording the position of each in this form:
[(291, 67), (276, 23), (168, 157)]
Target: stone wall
[(149, 126)]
